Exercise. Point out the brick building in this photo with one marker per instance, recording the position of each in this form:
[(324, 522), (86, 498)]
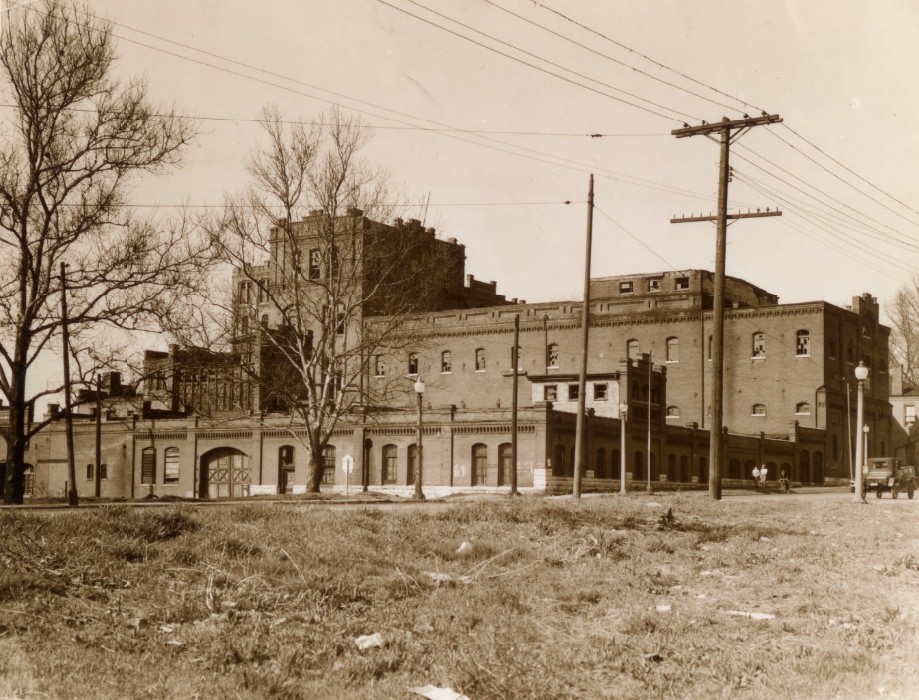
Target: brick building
[(216, 424)]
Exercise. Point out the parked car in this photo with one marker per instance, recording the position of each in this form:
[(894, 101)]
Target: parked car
[(887, 473)]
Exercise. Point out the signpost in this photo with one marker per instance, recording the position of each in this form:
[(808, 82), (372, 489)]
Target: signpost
[(347, 465)]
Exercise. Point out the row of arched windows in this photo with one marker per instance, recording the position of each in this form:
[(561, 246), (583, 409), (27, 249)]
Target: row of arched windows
[(478, 462), (148, 465)]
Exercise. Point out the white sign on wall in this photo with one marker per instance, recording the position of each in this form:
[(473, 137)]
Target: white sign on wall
[(347, 464)]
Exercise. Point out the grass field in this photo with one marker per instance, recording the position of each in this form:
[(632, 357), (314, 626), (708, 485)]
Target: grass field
[(663, 596)]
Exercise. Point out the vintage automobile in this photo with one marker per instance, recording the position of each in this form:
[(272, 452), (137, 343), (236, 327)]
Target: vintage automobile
[(887, 473)]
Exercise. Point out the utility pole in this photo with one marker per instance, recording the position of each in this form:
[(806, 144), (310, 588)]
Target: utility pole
[(729, 131), (516, 362), (73, 498), (579, 437), (98, 470)]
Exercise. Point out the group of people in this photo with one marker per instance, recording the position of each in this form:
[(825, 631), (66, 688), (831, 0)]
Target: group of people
[(760, 474)]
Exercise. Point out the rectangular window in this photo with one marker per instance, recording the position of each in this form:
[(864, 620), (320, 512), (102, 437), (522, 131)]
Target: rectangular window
[(759, 345), (600, 392), (315, 264), (654, 285), (625, 287), (89, 472), (682, 283), (171, 466), (910, 414), (103, 471), (446, 362), (379, 368), (573, 392), (550, 392), (413, 363)]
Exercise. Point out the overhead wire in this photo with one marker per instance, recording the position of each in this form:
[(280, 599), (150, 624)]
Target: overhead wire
[(531, 54)]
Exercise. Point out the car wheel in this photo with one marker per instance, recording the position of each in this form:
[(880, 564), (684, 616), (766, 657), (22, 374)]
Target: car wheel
[(879, 492), (909, 491), (894, 491)]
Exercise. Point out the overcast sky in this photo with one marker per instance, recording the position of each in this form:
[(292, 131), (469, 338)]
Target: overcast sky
[(839, 72)]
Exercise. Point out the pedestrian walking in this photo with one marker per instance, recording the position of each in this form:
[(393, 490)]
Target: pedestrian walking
[(755, 477)]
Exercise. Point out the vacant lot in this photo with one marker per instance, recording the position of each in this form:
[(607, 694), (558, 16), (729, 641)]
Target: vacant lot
[(664, 596)]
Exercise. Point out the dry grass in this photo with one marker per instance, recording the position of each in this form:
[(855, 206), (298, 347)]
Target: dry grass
[(612, 597)]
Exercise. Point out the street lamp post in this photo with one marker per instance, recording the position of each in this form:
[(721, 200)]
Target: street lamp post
[(861, 374), (419, 391), (865, 431), (623, 411)]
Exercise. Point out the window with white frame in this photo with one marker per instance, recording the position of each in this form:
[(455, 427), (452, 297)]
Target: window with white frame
[(446, 362), (802, 343), (552, 355), (171, 465), (315, 264), (413, 363), (759, 345), (759, 409), (625, 287), (601, 391), (550, 392), (910, 414), (673, 349), (480, 360), (803, 408)]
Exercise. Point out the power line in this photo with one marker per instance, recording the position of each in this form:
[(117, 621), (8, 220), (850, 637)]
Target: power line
[(526, 63), (608, 57), (533, 55), (647, 58), (848, 169)]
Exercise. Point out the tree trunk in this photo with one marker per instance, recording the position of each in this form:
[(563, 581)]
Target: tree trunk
[(14, 487), (315, 476)]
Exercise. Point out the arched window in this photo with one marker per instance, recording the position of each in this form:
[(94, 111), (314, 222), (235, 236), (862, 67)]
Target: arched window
[(803, 408), (803, 343), (390, 453), (148, 465), (446, 362), (505, 464), (479, 464), (684, 468), (638, 465), (245, 292), (673, 411), (328, 464), (759, 345), (709, 348), (673, 349), (734, 469), (171, 465), (671, 467), (759, 409), (286, 469), (480, 360), (413, 363), (631, 349), (552, 355)]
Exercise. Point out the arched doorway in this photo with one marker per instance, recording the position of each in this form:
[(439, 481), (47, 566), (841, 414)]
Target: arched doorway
[(224, 474)]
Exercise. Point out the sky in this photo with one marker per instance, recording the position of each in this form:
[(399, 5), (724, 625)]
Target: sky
[(486, 110)]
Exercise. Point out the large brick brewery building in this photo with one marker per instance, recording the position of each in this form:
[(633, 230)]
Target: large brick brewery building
[(195, 430)]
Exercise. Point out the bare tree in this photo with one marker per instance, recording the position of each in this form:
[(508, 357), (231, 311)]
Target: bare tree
[(73, 145), (903, 312), (323, 291)]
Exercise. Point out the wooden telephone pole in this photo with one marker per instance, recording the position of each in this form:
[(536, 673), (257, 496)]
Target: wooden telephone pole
[(730, 131)]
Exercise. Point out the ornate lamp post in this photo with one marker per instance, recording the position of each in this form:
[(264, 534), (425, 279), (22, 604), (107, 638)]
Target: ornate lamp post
[(419, 392), (623, 413), (861, 374)]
